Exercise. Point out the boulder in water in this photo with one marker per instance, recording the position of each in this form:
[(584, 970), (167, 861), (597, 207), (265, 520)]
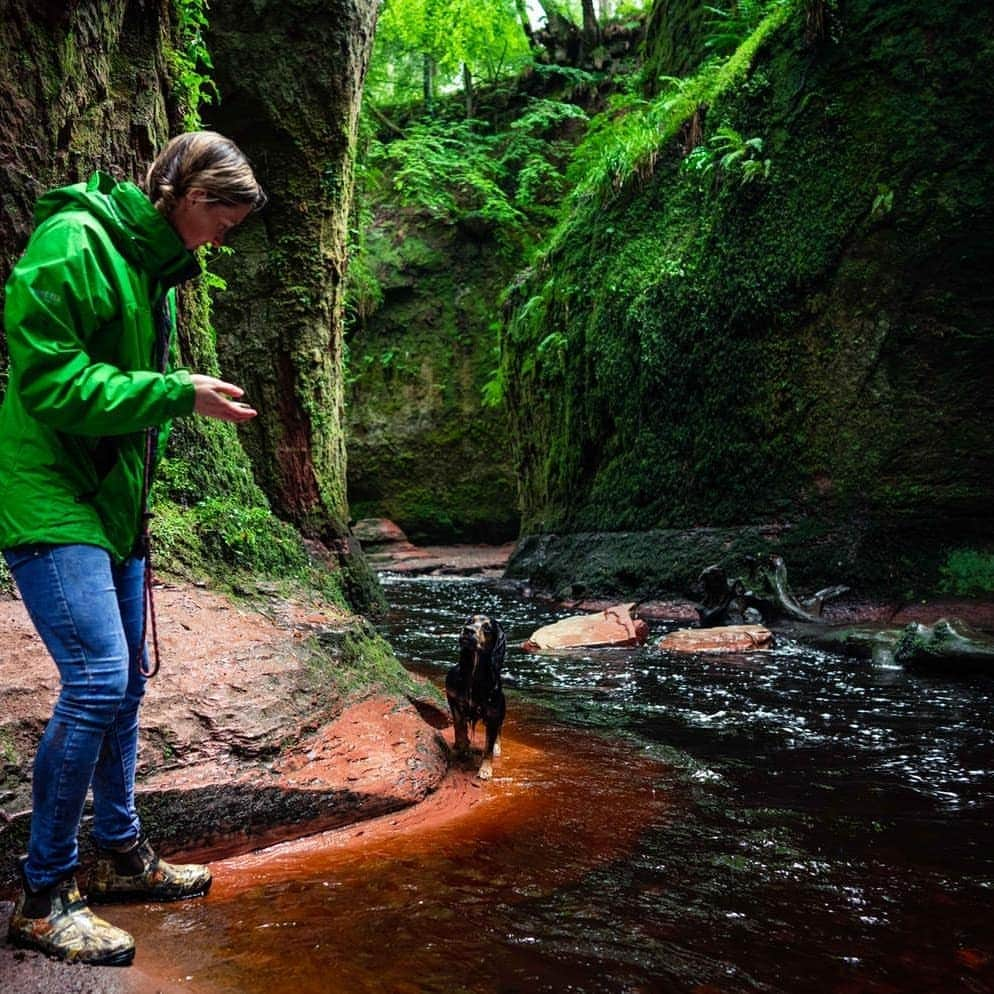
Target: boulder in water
[(613, 626), (378, 531), (729, 638)]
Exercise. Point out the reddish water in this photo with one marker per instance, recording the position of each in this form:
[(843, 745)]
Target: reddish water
[(768, 823), (421, 901)]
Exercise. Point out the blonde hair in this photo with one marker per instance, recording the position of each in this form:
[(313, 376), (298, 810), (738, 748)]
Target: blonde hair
[(202, 160)]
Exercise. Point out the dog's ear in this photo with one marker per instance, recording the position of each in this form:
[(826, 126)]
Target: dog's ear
[(500, 646)]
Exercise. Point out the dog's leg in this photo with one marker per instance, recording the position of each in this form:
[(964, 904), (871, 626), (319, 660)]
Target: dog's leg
[(455, 695), (492, 747), (462, 728), (462, 737)]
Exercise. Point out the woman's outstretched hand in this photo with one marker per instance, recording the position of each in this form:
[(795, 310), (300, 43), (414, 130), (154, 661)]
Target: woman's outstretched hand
[(213, 399)]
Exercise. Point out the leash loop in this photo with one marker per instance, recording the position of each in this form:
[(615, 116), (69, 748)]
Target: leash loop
[(163, 330)]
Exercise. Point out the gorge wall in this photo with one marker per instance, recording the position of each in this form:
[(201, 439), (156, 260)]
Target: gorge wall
[(423, 449), (794, 357)]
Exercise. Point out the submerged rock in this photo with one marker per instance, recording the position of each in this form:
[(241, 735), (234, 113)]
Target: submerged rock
[(730, 638), (949, 644), (613, 626)]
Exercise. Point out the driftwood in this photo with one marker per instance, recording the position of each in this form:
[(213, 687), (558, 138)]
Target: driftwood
[(949, 644), (764, 595)]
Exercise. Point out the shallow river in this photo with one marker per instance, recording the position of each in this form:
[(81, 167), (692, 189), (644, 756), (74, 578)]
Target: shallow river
[(776, 822)]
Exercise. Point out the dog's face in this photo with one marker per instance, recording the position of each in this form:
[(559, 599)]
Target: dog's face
[(479, 634)]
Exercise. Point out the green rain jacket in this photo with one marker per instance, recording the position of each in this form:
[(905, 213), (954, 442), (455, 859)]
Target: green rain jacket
[(84, 383)]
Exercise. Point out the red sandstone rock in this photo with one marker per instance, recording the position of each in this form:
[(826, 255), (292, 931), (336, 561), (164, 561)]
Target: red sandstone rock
[(731, 638), (243, 741), (378, 531), (441, 560), (612, 626)]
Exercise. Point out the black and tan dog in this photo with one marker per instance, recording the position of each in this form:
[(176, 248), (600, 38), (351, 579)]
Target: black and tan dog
[(474, 687)]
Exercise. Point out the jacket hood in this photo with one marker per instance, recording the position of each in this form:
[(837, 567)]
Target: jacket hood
[(142, 235)]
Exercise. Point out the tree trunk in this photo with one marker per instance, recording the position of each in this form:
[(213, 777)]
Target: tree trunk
[(526, 25), (428, 83), (591, 29), (290, 77), (467, 87), (82, 87), (559, 36)]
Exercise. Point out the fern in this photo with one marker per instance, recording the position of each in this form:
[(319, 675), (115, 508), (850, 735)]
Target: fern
[(727, 154), (624, 143), (730, 27)]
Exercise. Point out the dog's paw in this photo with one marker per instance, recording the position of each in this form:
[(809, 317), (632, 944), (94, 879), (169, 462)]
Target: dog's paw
[(486, 770), (497, 748)]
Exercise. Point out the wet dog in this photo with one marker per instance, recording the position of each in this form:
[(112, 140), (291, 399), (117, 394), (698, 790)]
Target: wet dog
[(473, 687)]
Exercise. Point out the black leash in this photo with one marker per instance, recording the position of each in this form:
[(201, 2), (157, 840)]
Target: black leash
[(148, 601), (163, 328)]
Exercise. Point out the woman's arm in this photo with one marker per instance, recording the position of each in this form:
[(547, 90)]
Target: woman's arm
[(57, 296)]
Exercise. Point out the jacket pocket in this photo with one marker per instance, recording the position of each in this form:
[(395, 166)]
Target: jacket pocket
[(92, 460), (21, 554)]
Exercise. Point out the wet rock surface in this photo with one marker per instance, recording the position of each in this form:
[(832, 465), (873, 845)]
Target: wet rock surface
[(441, 560), (730, 638), (378, 531), (249, 734), (613, 626)]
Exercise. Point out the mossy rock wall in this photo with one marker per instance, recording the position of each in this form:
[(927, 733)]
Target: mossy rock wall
[(82, 87), (810, 351), (423, 450)]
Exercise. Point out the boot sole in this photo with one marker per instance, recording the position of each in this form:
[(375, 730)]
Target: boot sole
[(122, 958), (132, 896)]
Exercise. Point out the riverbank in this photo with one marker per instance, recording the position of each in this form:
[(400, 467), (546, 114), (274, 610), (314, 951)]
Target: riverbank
[(511, 563), (270, 718), (459, 795)]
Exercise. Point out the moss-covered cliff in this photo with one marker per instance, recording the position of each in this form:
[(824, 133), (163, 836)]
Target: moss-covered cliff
[(423, 450), (448, 211), (797, 336)]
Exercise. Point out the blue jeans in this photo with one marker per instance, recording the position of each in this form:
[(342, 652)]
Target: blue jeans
[(88, 613)]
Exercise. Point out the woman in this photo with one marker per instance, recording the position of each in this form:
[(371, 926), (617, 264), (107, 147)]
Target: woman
[(90, 319)]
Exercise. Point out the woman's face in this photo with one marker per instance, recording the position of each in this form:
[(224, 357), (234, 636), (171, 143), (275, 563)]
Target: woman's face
[(201, 220)]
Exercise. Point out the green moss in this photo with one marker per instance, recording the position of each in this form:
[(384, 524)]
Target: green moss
[(8, 750), (237, 546), (968, 572), (358, 659), (791, 349)]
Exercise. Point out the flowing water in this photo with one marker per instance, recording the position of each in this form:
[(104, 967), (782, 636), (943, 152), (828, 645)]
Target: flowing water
[(786, 821)]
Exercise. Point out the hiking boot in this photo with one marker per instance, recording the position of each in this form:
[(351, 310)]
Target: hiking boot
[(57, 921), (139, 875)]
